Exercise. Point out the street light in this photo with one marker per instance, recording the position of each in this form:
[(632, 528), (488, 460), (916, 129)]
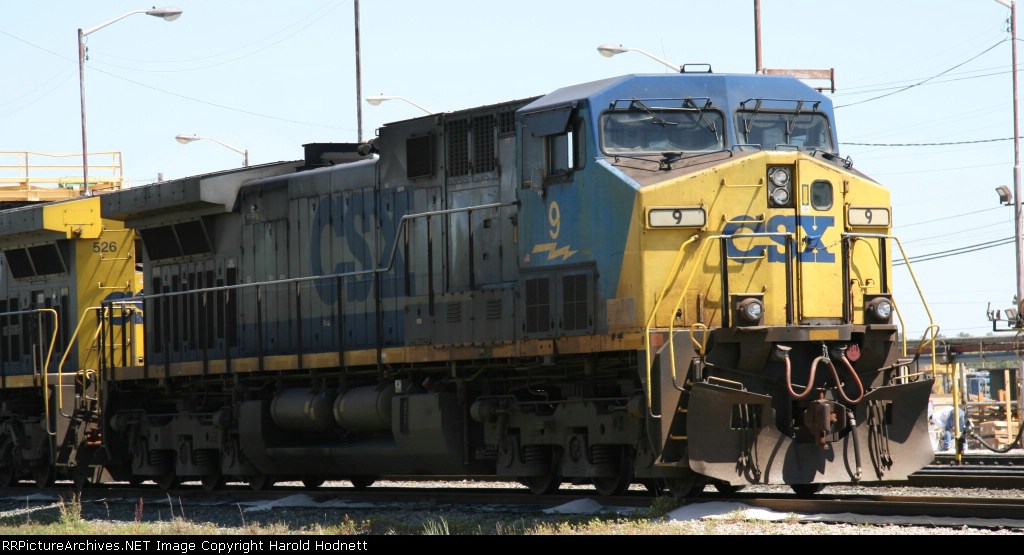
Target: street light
[(1017, 214), (609, 50), (1018, 219), (186, 139), (376, 100), (167, 14)]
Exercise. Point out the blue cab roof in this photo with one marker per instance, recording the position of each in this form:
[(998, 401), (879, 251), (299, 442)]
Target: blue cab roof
[(723, 89)]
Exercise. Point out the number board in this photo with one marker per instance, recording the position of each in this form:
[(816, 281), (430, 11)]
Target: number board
[(868, 216), (681, 216)]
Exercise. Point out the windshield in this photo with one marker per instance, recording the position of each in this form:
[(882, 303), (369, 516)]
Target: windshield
[(771, 129), (658, 131)]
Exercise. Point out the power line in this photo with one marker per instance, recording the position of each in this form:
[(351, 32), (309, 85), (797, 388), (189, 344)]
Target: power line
[(904, 226), (316, 19), (954, 252), (908, 87), (947, 143)]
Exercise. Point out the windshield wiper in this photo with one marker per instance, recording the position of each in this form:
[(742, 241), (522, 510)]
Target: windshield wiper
[(710, 125), (658, 119), (792, 120)]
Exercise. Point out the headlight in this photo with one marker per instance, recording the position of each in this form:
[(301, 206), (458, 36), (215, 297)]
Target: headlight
[(780, 186), (880, 309), (750, 310), (779, 176), (780, 196)]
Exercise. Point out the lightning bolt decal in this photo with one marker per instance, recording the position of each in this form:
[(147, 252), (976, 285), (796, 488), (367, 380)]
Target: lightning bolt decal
[(554, 251)]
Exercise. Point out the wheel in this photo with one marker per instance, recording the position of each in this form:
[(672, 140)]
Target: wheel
[(612, 485), (167, 481), (726, 488), (807, 490), (543, 485), (260, 482), (213, 482), (81, 476), (313, 482), (360, 482), (7, 471), (617, 484), (654, 487), (44, 475), (686, 486)]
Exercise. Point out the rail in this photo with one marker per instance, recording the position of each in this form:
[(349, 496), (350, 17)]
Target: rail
[(673, 275), (127, 309), (931, 332), (39, 376), (848, 240), (29, 176)]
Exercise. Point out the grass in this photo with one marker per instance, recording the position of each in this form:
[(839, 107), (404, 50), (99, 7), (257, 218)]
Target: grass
[(67, 517)]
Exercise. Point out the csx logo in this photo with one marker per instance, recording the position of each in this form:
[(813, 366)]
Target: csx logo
[(812, 248)]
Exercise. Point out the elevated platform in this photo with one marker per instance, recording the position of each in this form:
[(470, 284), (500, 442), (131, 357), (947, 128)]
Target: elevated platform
[(29, 177)]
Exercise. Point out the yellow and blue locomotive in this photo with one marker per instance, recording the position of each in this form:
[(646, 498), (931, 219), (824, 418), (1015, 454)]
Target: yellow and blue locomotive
[(61, 261), (665, 279)]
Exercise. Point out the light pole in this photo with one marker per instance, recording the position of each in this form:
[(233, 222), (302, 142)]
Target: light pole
[(186, 139), (359, 77), (609, 50), (167, 14), (1018, 219), (376, 100)]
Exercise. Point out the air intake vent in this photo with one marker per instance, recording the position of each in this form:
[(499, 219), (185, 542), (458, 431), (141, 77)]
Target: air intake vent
[(453, 312), (494, 309)]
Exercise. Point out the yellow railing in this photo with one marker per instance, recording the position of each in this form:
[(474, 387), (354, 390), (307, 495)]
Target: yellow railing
[(127, 312), (55, 176), (930, 333)]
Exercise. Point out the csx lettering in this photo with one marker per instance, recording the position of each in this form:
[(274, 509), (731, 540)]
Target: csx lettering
[(812, 228), (349, 222)]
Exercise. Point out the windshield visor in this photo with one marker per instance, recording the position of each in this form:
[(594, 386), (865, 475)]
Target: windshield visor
[(658, 131)]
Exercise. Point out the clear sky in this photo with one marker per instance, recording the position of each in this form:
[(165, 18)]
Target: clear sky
[(271, 76)]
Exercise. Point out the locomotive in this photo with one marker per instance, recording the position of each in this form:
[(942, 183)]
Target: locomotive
[(671, 280)]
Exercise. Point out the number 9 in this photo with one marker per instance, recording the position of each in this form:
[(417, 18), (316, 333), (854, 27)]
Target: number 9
[(555, 219)]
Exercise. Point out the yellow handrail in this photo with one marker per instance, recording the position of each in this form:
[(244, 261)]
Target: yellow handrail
[(932, 331), (124, 307), (67, 351), (676, 266), (17, 167)]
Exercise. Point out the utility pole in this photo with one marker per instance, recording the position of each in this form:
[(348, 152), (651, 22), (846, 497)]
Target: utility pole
[(359, 78), (757, 36), (1018, 216)]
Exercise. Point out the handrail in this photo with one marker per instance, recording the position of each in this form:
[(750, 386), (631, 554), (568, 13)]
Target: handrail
[(676, 266), (71, 341), (672, 276), (17, 170), (376, 270), (932, 331), (46, 364), (389, 263)]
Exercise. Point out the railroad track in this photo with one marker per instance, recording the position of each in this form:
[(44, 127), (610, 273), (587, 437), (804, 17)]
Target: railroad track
[(991, 471), (865, 507), (517, 503)]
